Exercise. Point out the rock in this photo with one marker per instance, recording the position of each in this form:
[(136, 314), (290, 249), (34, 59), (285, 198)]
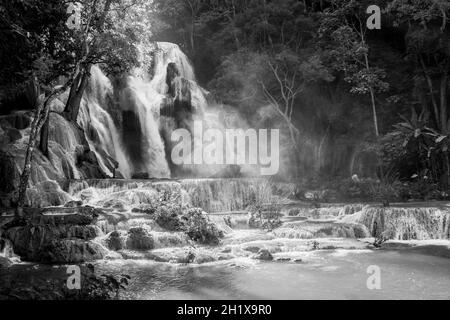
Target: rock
[(283, 260), (224, 257), (147, 209), (5, 263), (13, 135), (171, 75), (227, 250), (72, 251), (264, 255), (140, 239), (116, 205), (73, 204), (19, 120), (82, 232), (9, 174), (203, 258), (46, 194), (115, 241), (172, 255), (88, 156), (294, 212), (56, 238), (252, 249)]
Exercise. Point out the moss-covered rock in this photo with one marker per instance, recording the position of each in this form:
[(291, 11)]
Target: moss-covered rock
[(139, 238)]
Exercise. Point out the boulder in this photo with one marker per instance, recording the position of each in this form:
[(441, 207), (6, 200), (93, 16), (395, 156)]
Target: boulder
[(252, 249), (56, 238), (5, 263), (202, 258), (72, 251), (115, 241), (264, 255), (140, 239)]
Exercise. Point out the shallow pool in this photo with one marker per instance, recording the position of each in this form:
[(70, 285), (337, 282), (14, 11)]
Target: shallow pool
[(321, 275)]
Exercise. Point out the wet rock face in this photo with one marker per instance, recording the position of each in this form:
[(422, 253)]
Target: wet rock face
[(9, 175), (19, 121), (72, 251), (57, 238), (172, 73)]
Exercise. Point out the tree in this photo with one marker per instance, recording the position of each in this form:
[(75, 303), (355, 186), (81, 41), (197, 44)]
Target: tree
[(343, 36), (108, 34), (57, 53), (290, 73), (427, 48)]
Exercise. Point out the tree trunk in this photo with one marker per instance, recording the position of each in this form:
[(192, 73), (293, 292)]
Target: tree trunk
[(41, 116), (43, 142), (444, 80), (76, 95), (374, 110), (431, 91)]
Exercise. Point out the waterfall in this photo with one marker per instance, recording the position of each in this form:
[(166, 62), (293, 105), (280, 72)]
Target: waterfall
[(123, 122), (129, 122), (404, 223), (101, 131)]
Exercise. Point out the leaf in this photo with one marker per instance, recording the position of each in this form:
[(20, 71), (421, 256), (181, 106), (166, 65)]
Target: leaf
[(440, 139)]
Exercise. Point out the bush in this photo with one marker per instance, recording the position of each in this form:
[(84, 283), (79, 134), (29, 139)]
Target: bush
[(198, 227), (192, 221), (168, 217)]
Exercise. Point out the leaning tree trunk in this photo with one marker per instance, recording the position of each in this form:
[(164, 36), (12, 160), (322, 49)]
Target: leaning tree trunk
[(76, 94), (40, 118), (43, 142)]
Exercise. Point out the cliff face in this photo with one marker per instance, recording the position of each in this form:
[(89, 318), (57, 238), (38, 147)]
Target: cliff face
[(69, 158)]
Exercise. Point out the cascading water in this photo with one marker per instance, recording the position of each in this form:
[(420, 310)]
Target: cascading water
[(135, 140), (101, 131)]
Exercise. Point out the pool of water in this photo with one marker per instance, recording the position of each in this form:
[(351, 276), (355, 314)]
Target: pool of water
[(322, 275)]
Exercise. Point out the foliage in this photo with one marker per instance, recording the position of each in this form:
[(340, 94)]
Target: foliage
[(168, 217), (192, 221), (198, 227), (101, 287), (265, 209)]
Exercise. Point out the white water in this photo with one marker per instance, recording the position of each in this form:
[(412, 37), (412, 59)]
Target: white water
[(94, 116), (144, 95)]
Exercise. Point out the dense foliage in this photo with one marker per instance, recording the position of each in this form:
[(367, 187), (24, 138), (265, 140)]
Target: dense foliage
[(350, 100)]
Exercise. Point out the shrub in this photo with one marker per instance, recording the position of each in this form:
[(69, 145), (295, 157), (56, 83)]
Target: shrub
[(168, 217), (198, 227)]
